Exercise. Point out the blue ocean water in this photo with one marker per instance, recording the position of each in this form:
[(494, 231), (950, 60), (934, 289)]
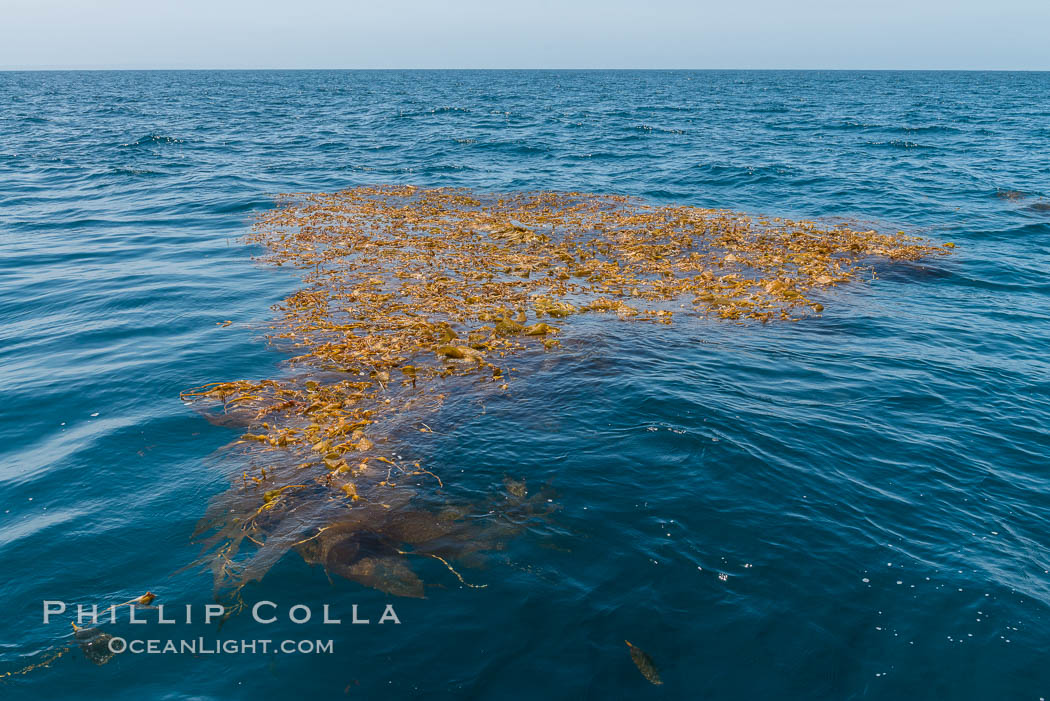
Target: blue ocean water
[(855, 506)]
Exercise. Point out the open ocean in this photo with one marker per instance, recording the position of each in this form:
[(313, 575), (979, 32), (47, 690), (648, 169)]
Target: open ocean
[(853, 506)]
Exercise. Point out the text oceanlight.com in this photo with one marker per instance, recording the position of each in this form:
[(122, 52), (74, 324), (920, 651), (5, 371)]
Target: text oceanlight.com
[(200, 646)]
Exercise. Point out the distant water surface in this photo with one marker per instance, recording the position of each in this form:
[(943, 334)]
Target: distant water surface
[(855, 506)]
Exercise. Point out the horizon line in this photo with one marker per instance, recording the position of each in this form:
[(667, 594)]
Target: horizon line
[(58, 69)]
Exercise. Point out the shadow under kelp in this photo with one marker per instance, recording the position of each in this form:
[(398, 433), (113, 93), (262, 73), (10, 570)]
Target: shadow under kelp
[(375, 549), (377, 537)]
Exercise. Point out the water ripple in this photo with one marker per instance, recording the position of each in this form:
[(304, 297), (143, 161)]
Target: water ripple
[(854, 506)]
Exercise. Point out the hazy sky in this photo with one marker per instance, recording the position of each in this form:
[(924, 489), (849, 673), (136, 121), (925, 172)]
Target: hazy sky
[(969, 34)]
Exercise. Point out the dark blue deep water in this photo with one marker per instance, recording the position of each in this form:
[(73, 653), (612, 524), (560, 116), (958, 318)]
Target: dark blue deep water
[(855, 506)]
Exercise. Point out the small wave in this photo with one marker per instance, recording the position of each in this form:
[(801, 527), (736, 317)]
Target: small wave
[(928, 129), (850, 124), (648, 128), (770, 109), (517, 147), (153, 139), (124, 170), (331, 146), (730, 172), (898, 143), (430, 112)]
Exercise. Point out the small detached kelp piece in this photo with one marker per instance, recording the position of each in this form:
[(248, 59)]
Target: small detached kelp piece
[(644, 663), (45, 661), (405, 289), (94, 643)]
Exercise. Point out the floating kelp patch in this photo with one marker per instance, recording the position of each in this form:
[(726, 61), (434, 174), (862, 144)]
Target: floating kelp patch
[(407, 290)]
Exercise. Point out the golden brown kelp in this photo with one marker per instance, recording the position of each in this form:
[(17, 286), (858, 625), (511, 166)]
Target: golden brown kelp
[(406, 288), (644, 663)]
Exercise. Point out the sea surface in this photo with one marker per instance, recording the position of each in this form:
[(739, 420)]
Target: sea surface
[(853, 506)]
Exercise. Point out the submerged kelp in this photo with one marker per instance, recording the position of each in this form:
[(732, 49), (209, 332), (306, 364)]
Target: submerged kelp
[(407, 290), (644, 663)]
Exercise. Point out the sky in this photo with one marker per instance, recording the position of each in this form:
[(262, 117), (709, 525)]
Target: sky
[(827, 34)]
